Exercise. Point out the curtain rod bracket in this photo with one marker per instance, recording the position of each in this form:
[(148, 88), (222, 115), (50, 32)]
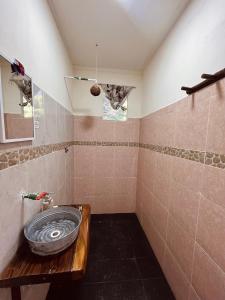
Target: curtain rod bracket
[(208, 76), (187, 89)]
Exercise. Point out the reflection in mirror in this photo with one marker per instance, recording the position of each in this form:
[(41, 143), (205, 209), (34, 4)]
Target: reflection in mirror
[(16, 104)]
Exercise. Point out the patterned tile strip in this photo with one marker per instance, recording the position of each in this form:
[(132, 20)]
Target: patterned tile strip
[(99, 143), (208, 158), (19, 156)]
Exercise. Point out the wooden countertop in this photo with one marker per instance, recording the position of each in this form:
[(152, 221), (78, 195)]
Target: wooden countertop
[(28, 268)]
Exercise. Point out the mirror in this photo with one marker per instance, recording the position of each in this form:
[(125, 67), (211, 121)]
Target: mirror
[(16, 105)]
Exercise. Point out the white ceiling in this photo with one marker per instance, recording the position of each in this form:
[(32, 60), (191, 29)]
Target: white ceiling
[(128, 31)]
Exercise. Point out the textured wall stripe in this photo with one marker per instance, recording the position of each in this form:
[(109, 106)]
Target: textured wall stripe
[(15, 157)]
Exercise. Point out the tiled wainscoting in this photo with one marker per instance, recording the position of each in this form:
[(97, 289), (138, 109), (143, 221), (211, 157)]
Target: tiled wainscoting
[(43, 166), (180, 192), (105, 159), (168, 167)]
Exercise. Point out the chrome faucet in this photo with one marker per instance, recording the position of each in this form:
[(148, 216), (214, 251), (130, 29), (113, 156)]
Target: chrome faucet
[(44, 197)]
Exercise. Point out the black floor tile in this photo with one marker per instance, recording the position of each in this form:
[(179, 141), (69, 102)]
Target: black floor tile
[(129, 290), (121, 265), (113, 250), (157, 289), (107, 233), (138, 234), (118, 239), (114, 217), (126, 290), (112, 270), (101, 232), (121, 233), (142, 248), (76, 291), (149, 268)]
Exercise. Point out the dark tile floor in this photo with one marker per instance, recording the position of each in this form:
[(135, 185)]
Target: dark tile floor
[(121, 265)]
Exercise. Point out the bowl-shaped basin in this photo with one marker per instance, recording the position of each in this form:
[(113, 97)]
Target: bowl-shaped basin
[(53, 230)]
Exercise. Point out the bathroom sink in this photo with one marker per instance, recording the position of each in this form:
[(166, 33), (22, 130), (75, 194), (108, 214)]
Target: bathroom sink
[(53, 230)]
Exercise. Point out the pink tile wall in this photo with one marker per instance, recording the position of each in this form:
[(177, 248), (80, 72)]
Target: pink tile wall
[(105, 176), (52, 172), (180, 203), (88, 128), (44, 173)]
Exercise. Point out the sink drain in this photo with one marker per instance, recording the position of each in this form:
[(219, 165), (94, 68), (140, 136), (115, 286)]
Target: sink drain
[(55, 233), (54, 230)]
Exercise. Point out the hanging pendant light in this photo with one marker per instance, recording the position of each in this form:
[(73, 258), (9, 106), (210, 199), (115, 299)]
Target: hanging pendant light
[(95, 89)]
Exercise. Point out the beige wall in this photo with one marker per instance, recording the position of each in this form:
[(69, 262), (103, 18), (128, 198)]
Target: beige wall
[(196, 45), (28, 33), (85, 104)]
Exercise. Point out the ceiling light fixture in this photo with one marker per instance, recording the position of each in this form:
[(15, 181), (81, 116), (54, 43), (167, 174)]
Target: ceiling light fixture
[(95, 89)]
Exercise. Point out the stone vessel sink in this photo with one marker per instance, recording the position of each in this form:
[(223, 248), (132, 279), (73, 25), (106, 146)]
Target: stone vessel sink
[(53, 230)]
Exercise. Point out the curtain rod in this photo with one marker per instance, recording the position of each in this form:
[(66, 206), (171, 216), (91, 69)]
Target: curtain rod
[(209, 79)]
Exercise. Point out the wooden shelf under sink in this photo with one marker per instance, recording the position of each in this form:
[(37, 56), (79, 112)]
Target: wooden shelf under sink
[(27, 268)]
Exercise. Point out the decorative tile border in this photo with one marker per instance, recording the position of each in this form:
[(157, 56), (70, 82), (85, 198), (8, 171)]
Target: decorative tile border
[(197, 156), (215, 160), (20, 156), (99, 143), (207, 158)]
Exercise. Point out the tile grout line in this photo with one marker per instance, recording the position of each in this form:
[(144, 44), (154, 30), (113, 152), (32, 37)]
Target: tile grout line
[(165, 240), (166, 246), (193, 256), (178, 265), (207, 127), (211, 259)]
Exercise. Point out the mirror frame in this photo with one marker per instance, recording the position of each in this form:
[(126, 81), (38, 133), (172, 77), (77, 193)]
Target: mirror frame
[(3, 138)]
